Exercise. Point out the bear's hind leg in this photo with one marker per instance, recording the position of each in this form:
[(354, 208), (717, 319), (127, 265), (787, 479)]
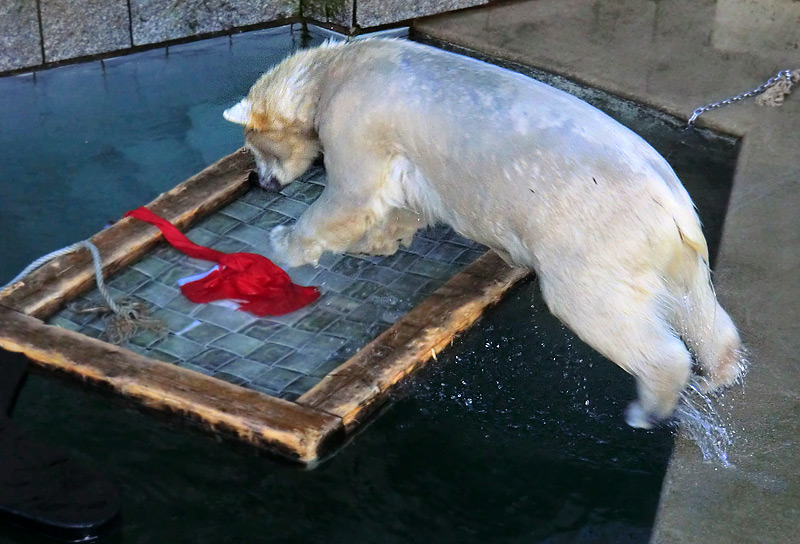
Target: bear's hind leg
[(627, 326)]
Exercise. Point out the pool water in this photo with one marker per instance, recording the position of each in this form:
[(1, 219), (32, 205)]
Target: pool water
[(514, 435)]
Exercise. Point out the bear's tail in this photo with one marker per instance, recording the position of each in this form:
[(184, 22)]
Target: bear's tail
[(704, 325)]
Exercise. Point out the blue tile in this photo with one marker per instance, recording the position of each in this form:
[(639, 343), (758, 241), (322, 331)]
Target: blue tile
[(201, 236), (204, 333), (291, 337), (380, 275), (445, 252), (408, 284), (302, 363), (261, 329), (239, 344), (421, 246), (270, 219), (401, 260), (156, 293), (218, 223), (128, 280), (181, 348), (433, 269), (276, 379), (323, 346), (212, 359), (290, 208), (246, 233), (350, 266), (360, 290), (302, 385), (337, 303), (241, 211), (316, 321), (331, 281), (229, 245), (231, 320), (344, 328), (174, 321), (270, 353), (246, 370)]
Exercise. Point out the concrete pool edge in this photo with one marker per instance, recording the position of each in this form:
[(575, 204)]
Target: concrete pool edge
[(668, 60)]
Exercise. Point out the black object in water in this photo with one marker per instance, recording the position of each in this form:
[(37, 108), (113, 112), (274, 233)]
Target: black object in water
[(41, 488)]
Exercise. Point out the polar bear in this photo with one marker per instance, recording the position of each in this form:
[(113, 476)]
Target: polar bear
[(413, 136)]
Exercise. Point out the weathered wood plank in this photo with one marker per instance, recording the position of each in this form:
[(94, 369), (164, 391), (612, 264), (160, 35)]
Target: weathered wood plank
[(296, 432), (359, 386), (44, 291)]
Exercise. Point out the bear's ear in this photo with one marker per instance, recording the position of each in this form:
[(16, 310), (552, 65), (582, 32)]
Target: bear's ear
[(240, 113)]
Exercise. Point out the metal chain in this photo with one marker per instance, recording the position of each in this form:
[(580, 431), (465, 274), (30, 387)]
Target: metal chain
[(783, 74)]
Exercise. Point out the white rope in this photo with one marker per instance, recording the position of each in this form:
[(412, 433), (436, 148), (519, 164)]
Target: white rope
[(98, 269), (125, 319), (775, 95)]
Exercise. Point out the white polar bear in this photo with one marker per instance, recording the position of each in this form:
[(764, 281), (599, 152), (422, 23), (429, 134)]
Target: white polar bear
[(412, 136)]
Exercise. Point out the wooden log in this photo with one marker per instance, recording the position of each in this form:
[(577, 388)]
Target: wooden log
[(44, 291), (358, 387), (296, 432)]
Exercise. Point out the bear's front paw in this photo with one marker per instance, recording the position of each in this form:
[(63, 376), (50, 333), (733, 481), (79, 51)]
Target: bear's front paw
[(291, 252)]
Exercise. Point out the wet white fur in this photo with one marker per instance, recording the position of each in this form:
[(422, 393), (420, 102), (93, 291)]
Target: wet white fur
[(413, 136)]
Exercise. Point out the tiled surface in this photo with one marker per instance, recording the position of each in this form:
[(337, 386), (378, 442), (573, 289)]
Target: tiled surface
[(286, 355)]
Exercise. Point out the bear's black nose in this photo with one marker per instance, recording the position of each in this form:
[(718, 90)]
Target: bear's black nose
[(255, 180), (252, 179), (273, 185)]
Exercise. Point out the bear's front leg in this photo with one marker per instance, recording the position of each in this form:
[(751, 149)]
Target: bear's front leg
[(335, 222)]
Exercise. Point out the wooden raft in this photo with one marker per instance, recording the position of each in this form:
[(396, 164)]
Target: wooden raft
[(302, 431)]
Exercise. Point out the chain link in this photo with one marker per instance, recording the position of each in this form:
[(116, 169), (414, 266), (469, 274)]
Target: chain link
[(783, 74)]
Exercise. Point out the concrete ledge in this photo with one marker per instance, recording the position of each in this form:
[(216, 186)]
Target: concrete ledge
[(334, 12), (155, 21), (351, 16), (676, 56), (380, 12), (77, 28), (37, 33), (20, 40)]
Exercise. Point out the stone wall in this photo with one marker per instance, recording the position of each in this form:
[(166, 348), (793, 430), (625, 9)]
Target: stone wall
[(35, 33)]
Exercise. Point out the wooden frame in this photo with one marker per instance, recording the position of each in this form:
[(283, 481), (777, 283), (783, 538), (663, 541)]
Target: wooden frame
[(303, 431)]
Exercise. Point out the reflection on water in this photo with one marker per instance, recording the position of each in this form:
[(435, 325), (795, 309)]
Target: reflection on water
[(82, 144)]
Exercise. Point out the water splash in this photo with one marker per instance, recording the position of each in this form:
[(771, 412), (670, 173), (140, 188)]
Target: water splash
[(698, 419)]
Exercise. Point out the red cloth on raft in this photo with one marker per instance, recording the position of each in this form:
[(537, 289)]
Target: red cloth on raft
[(259, 286)]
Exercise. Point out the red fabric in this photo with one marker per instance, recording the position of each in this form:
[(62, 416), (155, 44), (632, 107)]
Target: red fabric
[(254, 281)]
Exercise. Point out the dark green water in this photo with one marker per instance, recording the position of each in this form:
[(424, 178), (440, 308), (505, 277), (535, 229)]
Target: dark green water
[(514, 436)]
